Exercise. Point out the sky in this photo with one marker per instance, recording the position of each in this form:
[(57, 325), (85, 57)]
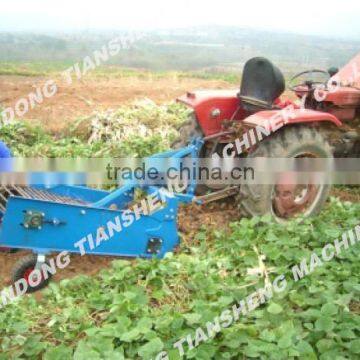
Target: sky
[(331, 18)]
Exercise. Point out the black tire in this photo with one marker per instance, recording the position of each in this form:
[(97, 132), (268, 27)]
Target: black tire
[(356, 150), (188, 131), (22, 267), (6, 250), (257, 199)]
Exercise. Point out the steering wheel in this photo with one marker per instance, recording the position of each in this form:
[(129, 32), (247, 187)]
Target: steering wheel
[(308, 83)]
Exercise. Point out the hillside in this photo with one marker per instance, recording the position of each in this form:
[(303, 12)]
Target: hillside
[(216, 47)]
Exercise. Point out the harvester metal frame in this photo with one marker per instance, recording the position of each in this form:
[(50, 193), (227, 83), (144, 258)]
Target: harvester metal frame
[(44, 226)]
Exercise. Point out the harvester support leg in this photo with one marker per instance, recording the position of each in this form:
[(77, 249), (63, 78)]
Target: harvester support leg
[(40, 260)]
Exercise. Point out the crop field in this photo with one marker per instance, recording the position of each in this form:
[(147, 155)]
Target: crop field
[(110, 308), (106, 88)]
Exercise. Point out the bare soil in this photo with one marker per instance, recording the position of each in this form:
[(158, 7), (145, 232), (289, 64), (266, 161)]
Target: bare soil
[(87, 95), (351, 194)]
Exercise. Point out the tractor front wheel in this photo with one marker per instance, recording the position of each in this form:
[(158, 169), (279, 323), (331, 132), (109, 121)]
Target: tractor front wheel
[(285, 201)]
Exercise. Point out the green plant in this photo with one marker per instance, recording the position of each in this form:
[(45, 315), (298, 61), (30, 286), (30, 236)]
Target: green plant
[(136, 309), (139, 130)]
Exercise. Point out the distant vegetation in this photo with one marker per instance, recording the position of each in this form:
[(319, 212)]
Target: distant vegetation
[(217, 49), (45, 68)]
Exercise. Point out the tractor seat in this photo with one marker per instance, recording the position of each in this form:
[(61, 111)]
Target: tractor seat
[(262, 83)]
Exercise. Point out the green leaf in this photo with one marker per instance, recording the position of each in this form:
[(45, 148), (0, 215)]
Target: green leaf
[(347, 334), (131, 335), (274, 308), (285, 341), (144, 325), (324, 323), (151, 348), (267, 335), (251, 351), (354, 346), (61, 352), (19, 327), (324, 345), (192, 319), (329, 309), (85, 352), (305, 348)]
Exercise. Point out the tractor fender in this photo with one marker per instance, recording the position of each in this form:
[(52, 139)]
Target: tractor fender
[(212, 107), (273, 120)]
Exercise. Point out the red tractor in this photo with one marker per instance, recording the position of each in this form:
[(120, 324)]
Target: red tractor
[(325, 125)]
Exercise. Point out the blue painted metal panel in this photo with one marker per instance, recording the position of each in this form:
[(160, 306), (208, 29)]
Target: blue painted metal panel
[(77, 222)]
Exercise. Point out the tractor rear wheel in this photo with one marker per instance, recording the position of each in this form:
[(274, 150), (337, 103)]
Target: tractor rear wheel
[(280, 200)]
